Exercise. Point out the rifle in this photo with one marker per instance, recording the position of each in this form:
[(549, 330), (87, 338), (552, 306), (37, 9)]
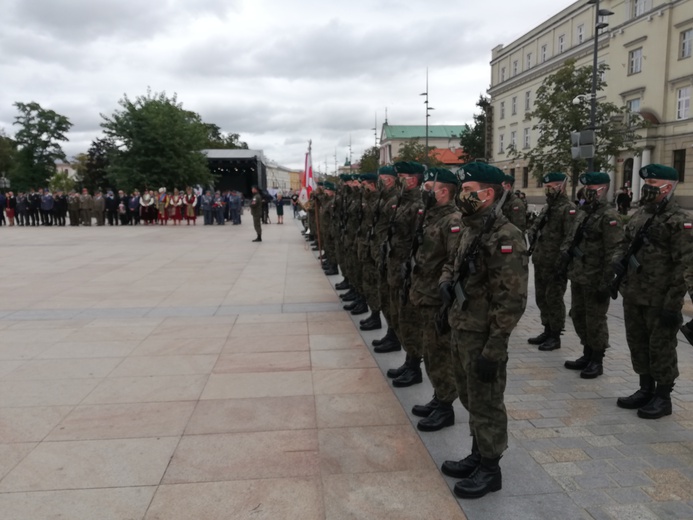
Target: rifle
[(629, 260), (385, 247), (574, 250), (374, 221), (467, 267)]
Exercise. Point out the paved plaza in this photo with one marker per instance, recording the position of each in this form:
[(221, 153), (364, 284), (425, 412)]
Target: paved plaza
[(189, 374)]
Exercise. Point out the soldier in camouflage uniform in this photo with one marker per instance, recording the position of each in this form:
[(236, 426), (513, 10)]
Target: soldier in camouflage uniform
[(514, 208), (387, 182), (404, 316), (336, 229), (437, 238), (589, 248), (369, 269), (328, 240), (653, 290), (547, 234), (496, 288), (357, 301)]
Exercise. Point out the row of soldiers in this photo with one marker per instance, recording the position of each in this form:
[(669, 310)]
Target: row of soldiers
[(443, 256)]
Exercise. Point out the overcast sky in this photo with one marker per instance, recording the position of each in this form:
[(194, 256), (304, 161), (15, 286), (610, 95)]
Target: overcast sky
[(279, 72)]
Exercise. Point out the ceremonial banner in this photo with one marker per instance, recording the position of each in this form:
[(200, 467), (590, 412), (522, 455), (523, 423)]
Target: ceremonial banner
[(307, 182)]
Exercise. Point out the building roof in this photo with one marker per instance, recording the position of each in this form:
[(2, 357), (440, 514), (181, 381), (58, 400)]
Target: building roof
[(419, 131), (448, 156)]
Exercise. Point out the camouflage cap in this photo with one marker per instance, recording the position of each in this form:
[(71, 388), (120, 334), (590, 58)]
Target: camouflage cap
[(368, 177), (387, 170), (441, 175), (480, 172), (409, 167), (554, 177), (510, 180), (659, 171), (595, 178)]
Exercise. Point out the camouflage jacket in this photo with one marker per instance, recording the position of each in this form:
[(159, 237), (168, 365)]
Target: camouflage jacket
[(515, 211), (561, 216), (441, 234), (368, 204), (404, 227), (602, 235), (667, 250), (498, 289), (388, 203), (353, 223), (325, 215)]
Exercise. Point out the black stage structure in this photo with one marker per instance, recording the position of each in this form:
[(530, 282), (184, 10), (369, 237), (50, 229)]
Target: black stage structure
[(237, 169)]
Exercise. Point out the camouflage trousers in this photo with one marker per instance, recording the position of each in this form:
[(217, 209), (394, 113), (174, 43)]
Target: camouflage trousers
[(405, 322), (549, 296), (652, 346), (437, 355), (488, 419), (369, 278), (589, 316), (384, 297)]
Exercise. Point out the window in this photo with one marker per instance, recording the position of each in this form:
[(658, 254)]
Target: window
[(525, 177), (543, 53), (680, 163), (640, 6), (580, 33), (502, 110), (561, 43), (512, 172), (513, 139), (686, 43), (633, 108), (513, 106), (635, 61), (502, 74), (602, 76), (528, 101), (515, 67), (501, 143), (526, 138), (529, 60), (683, 103)]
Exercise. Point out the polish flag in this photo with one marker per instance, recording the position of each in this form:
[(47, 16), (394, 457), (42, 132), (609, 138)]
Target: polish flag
[(307, 181)]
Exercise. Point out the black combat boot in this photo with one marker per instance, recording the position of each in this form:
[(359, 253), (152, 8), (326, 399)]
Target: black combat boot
[(581, 362), (595, 367), (440, 418), (659, 405), (486, 479), (361, 307), (687, 331), (394, 373), (350, 296), (332, 271), (538, 340), (424, 410), (389, 335), (371, 317), (641, 397), (411, 376), (552, 342), (391, 345), (465, 467), (372, 323), (352, 304), (343, 285), (258, 239)]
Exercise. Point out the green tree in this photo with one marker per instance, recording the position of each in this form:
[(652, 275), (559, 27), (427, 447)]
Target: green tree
[(158, 143), (217, 139), (370, 160), (473, 139), (92, 167), (412, 150), (556, 117), (38, 139), (61, 181), (8, 153)]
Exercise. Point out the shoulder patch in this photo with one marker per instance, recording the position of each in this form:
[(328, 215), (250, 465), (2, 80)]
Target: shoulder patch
[(515, 208), (455, 229), (613, 223), (420, 212), (394, 206), (506, 249), (688, 225), (572, 212)]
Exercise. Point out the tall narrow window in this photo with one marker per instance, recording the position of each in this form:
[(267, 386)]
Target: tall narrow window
[(680, 163), (686, 43), (640, 7), (526, 142), (580, 33), (683, 103), (501, 143), (544, 51), (528, 101), (515, 67), (525, 177), (502, 109), (529, 60), (635, 61), (513, 106), (561, 43), (513, 139), (633, 108)]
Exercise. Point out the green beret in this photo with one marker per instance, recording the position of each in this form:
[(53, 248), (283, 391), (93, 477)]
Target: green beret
[(480, 172), (354, 177), (387, 170), (659, 171), (410, 167), (344, 177), (321, 183), (329, 186), (443, 175), (368, 177), (595, 178), (510, 180), (554, 177)]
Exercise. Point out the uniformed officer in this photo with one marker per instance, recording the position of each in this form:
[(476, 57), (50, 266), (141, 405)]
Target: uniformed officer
[(653, 289), (589, 248), (86, 205), (73, 208), (369, 271), (328, 239), (496, 290), (437, 237), (350, 238), (514, 208), (256, 212), (546, 235)]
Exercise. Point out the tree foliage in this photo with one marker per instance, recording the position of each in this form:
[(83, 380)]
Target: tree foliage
[(158, 143), (557, 117), (412, 150), (92, 167), (220, 140), (8, 153), (38, 140), (370, 160), (61, 181), (473, 139)]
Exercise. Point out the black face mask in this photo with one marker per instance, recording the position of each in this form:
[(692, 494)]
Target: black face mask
[(429, 198), (649, 194)]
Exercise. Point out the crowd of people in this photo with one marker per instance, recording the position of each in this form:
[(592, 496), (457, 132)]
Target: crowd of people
[(445, 256)]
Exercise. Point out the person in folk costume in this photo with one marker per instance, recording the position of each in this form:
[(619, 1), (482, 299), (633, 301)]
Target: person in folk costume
[(162, 205), (146, 203), (190, 205), (176, 206)]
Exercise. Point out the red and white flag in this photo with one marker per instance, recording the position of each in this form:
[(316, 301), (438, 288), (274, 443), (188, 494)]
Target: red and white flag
[(307, 181)]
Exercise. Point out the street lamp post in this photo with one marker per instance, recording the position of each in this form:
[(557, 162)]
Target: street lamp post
[(428, 109)]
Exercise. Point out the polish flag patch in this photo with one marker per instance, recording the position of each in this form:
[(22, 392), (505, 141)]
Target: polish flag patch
[(515, 208), (506, 249), (687, 225), (455, 229), (572, 212), (613, 223), (394, 206), (420, 212)]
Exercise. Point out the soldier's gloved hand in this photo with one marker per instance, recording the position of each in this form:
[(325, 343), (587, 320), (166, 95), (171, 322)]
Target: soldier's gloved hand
[(445, 291), (670, 318), (486, 370), (618, 268)]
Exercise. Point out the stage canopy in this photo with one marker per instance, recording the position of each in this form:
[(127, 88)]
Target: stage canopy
[(237, 169)]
